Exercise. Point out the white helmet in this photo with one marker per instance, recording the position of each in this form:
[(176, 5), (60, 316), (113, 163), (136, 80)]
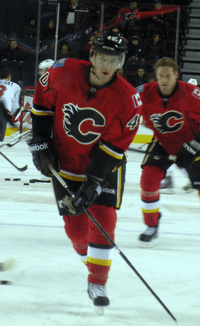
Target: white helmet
[(44, 66), (193, 81)]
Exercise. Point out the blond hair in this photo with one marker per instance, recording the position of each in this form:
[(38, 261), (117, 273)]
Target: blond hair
[(166, 62)]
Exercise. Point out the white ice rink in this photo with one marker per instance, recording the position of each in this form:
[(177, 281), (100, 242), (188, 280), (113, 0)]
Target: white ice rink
[(49, 282)]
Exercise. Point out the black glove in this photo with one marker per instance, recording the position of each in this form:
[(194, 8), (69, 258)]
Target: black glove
[(44, 153), (187, 154), (84, 197)]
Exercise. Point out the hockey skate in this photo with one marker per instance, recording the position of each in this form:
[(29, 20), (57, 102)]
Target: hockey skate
[(167, 185), (148, 237), (97, 294)]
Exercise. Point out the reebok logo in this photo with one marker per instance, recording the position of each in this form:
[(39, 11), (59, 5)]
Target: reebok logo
[(37, 148), (109, 191), (189, 149)]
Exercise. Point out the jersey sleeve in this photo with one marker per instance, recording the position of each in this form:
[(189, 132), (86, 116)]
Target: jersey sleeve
[(44, 100)]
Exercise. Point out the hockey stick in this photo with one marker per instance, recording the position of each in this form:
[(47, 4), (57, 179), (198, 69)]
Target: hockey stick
[(14, 140), (64, 184), (171, 157), (16, 167)]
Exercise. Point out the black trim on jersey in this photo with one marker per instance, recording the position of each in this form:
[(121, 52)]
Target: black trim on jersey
[(42, 126), (94, 245)]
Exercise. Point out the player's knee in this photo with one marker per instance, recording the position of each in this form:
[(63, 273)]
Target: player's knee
[(151, 177), (75, 229)]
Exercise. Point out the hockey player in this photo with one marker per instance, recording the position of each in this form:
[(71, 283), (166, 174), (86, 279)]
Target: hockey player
[(10, 99), (167, 182), (171, 108), (84, 118)]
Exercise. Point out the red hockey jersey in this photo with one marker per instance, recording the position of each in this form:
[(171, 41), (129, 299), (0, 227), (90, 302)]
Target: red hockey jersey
[(83, 115), (174, 120)]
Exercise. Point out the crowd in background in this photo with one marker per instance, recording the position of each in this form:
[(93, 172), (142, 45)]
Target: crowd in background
[(79, 22)]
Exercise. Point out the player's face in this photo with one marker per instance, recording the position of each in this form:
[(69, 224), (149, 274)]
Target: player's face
[(167, 79), (104, 67)]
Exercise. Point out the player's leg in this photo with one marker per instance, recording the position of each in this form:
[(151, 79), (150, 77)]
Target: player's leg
[(76, 228), (100, 253), (88, 240), (167, 182), (154, 167), (150, 201), (91, 245)]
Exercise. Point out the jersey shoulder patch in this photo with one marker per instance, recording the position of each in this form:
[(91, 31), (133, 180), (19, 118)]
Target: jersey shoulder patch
[(59, 63), (196, 93), (140, 88)]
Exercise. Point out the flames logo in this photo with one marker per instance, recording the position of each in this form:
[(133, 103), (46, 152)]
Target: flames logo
[(167, 122), (75, 118)]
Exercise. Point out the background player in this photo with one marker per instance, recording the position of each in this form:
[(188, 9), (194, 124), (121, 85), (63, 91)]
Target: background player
[(171, 108), (167, 182), (93, 115), (10, 100)]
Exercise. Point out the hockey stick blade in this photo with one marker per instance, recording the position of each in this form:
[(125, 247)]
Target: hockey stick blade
[(23, 168), (171, 157), (64, 184), (12, 144)]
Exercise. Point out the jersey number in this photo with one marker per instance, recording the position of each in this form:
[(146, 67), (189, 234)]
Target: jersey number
[(2, 90), (133, 123)]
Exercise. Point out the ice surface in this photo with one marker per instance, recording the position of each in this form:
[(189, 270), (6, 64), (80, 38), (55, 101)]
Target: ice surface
[(49, 282)]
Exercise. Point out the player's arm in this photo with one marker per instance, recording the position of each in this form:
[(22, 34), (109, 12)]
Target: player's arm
[(42, 145)]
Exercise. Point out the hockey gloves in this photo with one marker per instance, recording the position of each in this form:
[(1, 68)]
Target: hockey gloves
[(44, 153), (84, 197), (187, 154)]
